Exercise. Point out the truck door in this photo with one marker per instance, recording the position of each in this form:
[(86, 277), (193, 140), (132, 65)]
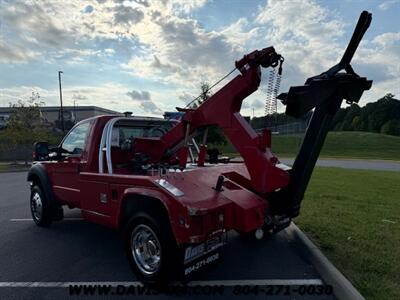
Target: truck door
[(66, 171)]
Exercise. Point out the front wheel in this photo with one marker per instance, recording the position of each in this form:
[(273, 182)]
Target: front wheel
[(40, 207), (151, 249)]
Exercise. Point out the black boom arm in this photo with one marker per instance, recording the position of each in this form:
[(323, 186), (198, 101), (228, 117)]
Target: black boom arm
[(323, 93)]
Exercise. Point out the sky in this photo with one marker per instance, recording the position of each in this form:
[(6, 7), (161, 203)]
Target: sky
[(148, 57)]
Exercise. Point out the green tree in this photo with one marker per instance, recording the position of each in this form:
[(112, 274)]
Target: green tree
[(353, 111), (391, 127), (24, 128), (356, 124), (205, 92), (25, 115), (376, 114), (337, 122), (371, 117)]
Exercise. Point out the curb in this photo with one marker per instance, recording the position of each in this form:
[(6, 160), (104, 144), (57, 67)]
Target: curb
[(342, 287)]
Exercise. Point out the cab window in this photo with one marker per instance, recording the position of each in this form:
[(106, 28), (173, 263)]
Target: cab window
[(74, 143), (156, 129)]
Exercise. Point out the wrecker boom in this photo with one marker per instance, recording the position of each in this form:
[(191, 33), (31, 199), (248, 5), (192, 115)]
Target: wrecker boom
[(323, 93), (223, 109)]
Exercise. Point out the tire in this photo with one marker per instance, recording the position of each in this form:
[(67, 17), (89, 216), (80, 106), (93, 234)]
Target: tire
[(151, 249), (40, 207)]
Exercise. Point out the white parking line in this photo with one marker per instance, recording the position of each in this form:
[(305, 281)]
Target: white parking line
[(138, 283), (30, 219), (259, 282)]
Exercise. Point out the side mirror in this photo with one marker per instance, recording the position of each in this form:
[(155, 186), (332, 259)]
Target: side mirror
[(41, 151)]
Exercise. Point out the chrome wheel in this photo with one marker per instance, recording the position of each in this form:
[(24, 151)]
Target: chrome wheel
[(146, 249), (37, 206)]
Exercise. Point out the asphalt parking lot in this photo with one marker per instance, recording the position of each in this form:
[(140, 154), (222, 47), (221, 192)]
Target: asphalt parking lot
[(41, 263)]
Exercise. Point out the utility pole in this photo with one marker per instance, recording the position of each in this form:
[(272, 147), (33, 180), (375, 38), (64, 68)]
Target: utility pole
[(74, 111), (61, 104)]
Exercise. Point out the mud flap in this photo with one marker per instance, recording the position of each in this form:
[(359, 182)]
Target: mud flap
[(201, 263), (199, 256)]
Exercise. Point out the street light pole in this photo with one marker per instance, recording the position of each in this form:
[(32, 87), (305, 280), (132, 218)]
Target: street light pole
[(61, 104), (74, 111)]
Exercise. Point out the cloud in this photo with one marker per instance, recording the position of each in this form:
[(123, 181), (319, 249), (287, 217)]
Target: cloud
[(150, 107), (245, 106), (79, 97), (312, 41), (10, 53), (38, 27), (143, 99), (139, 95), (47, 28), (257, 104), (145, 3), (178, 50), (385, 5), (240, 33), (127, 15), (185, 97), (388, 38), (379, 60), (187, 6), (163, 44)]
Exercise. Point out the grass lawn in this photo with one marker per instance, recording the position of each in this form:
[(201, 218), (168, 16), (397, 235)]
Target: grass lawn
[(354, 217), (7, 167), (339, 144)]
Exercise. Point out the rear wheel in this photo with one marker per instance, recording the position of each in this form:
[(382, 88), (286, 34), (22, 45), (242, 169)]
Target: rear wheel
[(40, 207), (151, 249)]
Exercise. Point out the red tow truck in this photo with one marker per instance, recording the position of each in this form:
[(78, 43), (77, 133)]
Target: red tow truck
[(133, 174)]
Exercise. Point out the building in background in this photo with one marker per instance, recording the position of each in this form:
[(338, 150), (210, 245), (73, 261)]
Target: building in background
[(3, 120), (50, 115), (173, 115)]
